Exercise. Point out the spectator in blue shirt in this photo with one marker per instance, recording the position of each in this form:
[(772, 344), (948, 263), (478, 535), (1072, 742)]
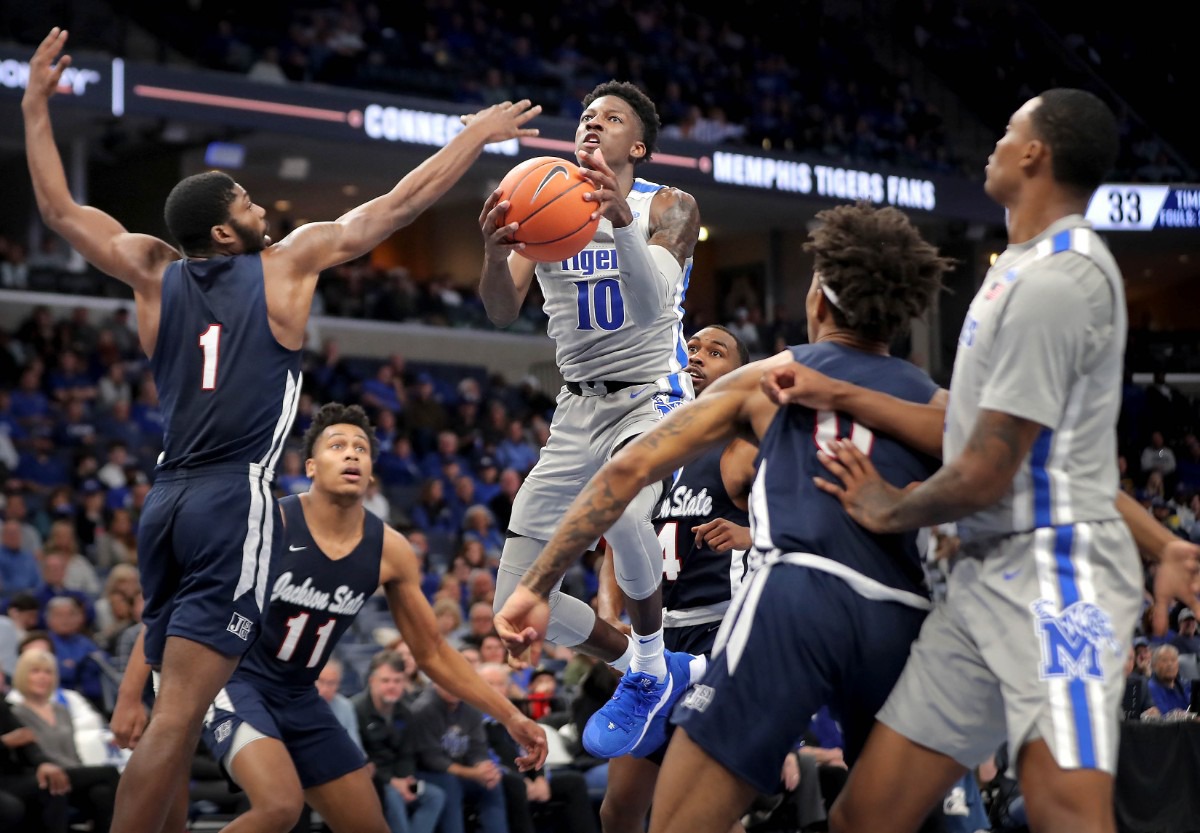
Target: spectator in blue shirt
[(398, 466), (516, 451), (53, 585), (78, 655), (1170, 694), (29, 404), (18, 566), (1188, 641)]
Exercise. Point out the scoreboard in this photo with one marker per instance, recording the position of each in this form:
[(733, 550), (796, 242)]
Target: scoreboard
[(1131, 207)]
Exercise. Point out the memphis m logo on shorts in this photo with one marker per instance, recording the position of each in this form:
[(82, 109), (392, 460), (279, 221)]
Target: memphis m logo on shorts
[(240, 626), (1072, 640)]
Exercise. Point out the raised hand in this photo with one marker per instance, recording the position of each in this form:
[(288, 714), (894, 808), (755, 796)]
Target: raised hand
[(44, 72), (610, 202)]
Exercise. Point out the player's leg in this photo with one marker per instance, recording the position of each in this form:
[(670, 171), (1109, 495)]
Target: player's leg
[(638, 564), (696, 793), (263, 768), (192, 675), (1064, 800), (1081, 596), (349, 804), (210, 538), (573, 622), (893, 786), (630, 791)]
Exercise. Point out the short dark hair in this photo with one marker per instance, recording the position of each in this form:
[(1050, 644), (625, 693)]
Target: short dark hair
[(1082, 133), (23, 600), (34, 636), (389, 658), (335, 413), (883, 272), (647, 113), (743, 353), (194, 206)]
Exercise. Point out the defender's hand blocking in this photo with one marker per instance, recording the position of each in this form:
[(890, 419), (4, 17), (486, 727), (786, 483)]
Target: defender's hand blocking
[(44, 73), (1177, 577), (522, 623), (865, 495), (531, 737), (798, 384)]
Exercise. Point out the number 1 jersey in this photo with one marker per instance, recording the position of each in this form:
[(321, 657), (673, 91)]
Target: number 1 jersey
[(313, 601), (790, 516), (228, 390)]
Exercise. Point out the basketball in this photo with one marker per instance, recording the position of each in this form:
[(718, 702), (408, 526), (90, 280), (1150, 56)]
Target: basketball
[(545, 197)]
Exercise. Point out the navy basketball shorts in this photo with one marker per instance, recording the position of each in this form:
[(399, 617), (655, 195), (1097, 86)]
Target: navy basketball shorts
[(795, 639), (688, 639), (319, 746), (206, 540)]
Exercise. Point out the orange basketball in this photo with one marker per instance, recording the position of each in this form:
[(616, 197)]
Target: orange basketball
[(545, 196)]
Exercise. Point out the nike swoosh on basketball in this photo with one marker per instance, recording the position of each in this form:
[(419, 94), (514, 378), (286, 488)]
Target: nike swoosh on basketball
[(295, 548), (557, 170)]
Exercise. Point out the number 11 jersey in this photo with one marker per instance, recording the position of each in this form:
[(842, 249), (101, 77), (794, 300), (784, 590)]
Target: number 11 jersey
[(312, 602)]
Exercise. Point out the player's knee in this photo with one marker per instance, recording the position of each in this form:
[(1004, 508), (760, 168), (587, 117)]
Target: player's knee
[(278, 812), (841, 817), (617, 816)]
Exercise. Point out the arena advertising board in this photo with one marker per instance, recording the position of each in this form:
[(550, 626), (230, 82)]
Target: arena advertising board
[(121, 88)]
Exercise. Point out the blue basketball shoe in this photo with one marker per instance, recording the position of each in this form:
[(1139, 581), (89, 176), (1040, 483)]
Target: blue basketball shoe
[(621, 724)]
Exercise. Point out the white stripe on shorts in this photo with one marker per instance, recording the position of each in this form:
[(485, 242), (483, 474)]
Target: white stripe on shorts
[(735, 630)]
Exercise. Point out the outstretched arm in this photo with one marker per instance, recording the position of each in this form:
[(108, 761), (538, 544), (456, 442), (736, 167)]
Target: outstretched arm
[(136, 259), (444, 665), (314, 247)]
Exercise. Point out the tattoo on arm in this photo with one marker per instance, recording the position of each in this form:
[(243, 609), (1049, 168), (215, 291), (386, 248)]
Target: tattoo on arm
[(979, 477), (678, 226), (594, 511)]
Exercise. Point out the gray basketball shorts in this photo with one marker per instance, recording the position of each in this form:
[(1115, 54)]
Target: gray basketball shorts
[(1030, 643), (584, 433)]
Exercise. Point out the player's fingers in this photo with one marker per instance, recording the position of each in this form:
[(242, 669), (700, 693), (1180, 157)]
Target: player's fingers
[(835, 466), (849, 455), (829, 488)]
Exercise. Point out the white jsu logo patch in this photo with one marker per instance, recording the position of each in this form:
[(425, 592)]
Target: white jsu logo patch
[(223, 731), (698, 698), (240, 626), (1072, 640)]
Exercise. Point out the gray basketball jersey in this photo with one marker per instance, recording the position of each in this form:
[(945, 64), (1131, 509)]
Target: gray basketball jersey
[(594, 338), (1044, 340)]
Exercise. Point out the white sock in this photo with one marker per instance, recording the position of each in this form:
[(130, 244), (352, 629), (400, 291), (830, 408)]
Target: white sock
[(621, 663), (648, 654)]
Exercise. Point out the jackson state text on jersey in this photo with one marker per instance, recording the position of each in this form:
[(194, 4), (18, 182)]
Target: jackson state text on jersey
[(313, 601), (789, 514), (228, 390)]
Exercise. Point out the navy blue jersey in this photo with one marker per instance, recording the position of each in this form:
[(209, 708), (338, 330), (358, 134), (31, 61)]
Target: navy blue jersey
[(695, 577), (313, 601), (228, 390), (790, 515)]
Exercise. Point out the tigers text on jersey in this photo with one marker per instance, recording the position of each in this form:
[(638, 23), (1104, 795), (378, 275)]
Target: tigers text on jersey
[(698, 583), (1044, 340), (313, 600), (794, 520), (228, 390), (594, 338)]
